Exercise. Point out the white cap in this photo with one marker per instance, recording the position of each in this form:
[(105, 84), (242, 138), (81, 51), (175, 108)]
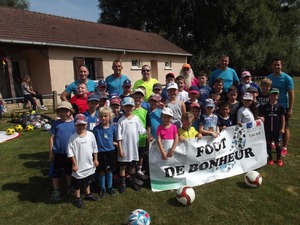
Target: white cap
[(248, 96), (172, 85), (167, 111)]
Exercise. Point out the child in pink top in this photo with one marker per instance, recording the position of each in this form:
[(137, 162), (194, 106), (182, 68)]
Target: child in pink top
[(167, 134)]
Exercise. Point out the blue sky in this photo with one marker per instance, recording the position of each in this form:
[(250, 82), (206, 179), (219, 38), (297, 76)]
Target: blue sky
[(78, 9)]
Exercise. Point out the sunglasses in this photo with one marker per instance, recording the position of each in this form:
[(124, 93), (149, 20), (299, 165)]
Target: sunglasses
[(146, 70)]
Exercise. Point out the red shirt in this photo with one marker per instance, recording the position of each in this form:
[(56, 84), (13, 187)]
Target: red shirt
[(81, 102)]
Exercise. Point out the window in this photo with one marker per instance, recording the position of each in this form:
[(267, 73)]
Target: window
[(93, 64), (135, 64), (168, 65)]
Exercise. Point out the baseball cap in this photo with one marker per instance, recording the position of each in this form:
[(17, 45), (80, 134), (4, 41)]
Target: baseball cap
[(194, 89), (128, 101), (102, 83), (127, 82), (252, 89), (65, 105), (209, 103), (195, 105), (186, 65), (170, 75), (115, 101), (154, 97), (139, 90), (246, 74), (167, 111), (248, 96), (80, 119), (274, 90), (157, 86), (172, 85), (93, 97)]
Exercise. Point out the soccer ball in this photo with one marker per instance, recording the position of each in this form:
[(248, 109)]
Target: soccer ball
[(10, 131), (37, 125), (139, 217), (18, 128), (29, 128), (185, 195), (253, 179), (47, 126)]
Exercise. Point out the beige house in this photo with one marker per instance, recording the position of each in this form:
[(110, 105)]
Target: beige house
[(50, 49)]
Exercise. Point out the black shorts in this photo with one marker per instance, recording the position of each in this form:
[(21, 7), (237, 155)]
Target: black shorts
[(107, 161), (60, 161), (133, 163), (82, 183), (273, 136), (142, 152)]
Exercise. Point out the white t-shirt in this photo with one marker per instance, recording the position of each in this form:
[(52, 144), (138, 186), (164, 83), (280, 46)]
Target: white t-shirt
[(244, 115), (82, 148), (183, 96), (128, 131)]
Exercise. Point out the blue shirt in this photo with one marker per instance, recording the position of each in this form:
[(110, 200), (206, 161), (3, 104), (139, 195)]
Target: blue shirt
[(105, 137), (284, 83), (204, 93), (155, 121), (114, 85), (91, 86), (62, 132), (229, 77), (91, 119)]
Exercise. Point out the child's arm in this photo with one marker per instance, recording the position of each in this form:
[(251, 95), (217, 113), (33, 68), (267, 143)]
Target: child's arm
[(172, 150), (161, 148), (183, 108), (282, 124), (51, 156), (74, 164), (95, 159), (199, 135), (120, 149), (207, 132)]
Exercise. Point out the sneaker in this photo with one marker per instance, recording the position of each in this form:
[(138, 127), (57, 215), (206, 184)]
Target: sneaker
[(141, 175), (122, 189), (55, 196), (134, 186), (43, 107), (71, 191), (79, 203), (102, 193), (272, 145), (283, 152), (91, 197), (138, 181), (111, 191), (270, 162), (279, 162)]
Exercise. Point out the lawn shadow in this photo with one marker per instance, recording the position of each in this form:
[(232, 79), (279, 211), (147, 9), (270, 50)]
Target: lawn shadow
[(39, 161), (174, 202), (242, 185)]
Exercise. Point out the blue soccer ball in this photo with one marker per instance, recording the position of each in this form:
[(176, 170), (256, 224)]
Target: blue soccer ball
[(139, 217)]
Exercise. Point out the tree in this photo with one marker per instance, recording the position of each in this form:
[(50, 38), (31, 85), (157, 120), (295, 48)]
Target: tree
[(251, 32), (19, 4)]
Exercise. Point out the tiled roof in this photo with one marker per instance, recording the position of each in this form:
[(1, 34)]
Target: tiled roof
[(22, 26)]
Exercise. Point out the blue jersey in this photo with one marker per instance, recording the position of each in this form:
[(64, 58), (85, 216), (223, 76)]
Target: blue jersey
[(62, 132), (204, 93), (209, 122), (91, 86), (155, 121), (92, 120), (284, 83), (105, 137), (229, 77), (114, 85)]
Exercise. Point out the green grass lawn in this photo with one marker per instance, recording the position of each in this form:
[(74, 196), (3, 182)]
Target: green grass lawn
[(26, 190)]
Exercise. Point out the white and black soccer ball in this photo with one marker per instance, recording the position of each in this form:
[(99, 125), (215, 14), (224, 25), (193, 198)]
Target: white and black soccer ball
[(253, 179), (37, 125), (47, 127), (139, 217), (185, 195)]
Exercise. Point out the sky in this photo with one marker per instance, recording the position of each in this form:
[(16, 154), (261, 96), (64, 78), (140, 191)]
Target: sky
[(77, 9)]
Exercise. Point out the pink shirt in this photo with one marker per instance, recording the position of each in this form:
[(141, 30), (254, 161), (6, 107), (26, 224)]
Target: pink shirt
[(167, 133)]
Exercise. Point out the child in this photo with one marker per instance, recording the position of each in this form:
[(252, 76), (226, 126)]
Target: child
[(103, 97), (126, 89), (193, 97), (157, 89), (182, 94), (105, 134), (61, 131), (115, 104), (102, 87), (187, 131), (170, 78), (246, 83), (232, 95), (175, 104), (92, 114), (82, 150), (218, 89), (217, 100), (79, 101), (208, 120), (204, 89), (274, 123), (224, 116), (254, 92), (248, 112), (154, 114), (196, 111), (167, 134), (128, 131), (263, 97)]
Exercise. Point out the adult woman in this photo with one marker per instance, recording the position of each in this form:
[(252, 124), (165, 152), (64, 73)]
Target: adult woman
[(188, 74), (30, 94)]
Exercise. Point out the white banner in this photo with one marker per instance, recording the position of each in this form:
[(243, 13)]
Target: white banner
[(237, 150)]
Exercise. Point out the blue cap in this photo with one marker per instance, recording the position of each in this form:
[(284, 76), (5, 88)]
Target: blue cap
[(209, 103), (80, 119), (94, 97), (102, 83), (128, 101), (127, 82)]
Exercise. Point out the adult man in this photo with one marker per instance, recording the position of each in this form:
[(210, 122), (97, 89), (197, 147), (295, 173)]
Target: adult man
[(83, 78), (285, 84), (228, 74), (115, 81), (146, 81)]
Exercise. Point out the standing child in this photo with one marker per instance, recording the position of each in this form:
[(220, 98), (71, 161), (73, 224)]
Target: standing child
[(154, 114), (102, 87), (157, 89), (204, 89), (92, 114), (126, 89), (170, 78), (224, 117), (263, 97), (61, 131), (105, 134), (218, 89), (187, 131), (246, 83), (274, 124), (79, 101), (232, 95), (248, 112), (167, 134), (82, 150), (193, 97), (196, 111), (209, 120), (128, 131), (182, 94)]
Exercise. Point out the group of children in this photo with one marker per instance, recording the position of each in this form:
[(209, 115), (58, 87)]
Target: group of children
[(111, 133)]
